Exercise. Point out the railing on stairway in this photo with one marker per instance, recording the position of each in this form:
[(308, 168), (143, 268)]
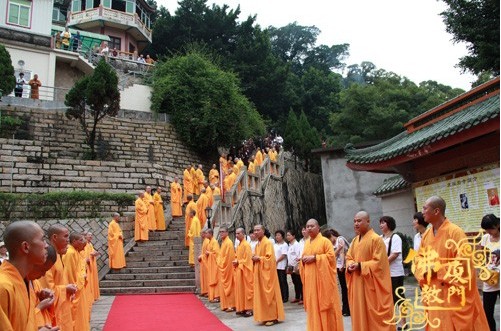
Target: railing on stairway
[(225, 212)]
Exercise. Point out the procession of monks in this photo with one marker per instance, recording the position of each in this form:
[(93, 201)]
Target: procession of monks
[(47, 285)]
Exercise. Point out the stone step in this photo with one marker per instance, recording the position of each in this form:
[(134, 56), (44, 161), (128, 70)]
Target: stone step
[(166, 235), (170, 245), (151, 276), (159, 252), (146, 283), (136, 290), (156, 264), (146, 270), (159, 243)]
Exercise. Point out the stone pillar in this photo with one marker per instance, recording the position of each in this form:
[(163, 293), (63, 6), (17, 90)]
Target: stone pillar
[(197, 252)]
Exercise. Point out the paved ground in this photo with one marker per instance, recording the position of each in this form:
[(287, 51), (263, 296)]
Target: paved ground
[(295, 316)]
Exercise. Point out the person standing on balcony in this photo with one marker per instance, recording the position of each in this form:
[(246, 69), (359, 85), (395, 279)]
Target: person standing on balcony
[(65, 39), (35, 84), (76, 42), (57, 38), (18, 91)]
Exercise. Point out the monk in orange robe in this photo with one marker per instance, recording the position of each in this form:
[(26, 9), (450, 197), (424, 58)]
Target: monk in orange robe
[(252, 167), (150, 203), (74, 269), (176, 204), (268, 305), (258, 159), (244, 276), (92, 275), (222, 161), (26, 245), (226, 272), (319, 276), (200, 178), (239, 165), (211, 254), (208, 192), (187, 184), (193, 233), (158, 205), (368, 279), (40, 298), (116, 244), (214, 175), (204, 285), (141, 219), (56, 280), (455, 314), (194, 180), (187, 219), (202, 203), (216, 192)]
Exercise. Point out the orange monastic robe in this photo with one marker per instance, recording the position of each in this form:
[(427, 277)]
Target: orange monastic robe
[(187, 221), (229, 181), (16, 309), (321, 295), (92, 276), (208, 192), (150, 203), (43, 317), (268, 305), (204, 277), (214, 177), (116, 246), (227, 275), (202, 203), (244, 277), (239, 165), (188, 185), (200, 179), (194, 181), (213, 270), (176, 196), (272, 155), (74, 269), (56, 280), (159, 211), (369, 290), (216, 192), (141, 220), (251, 168), (192, 234), (470, 316), (258, 159)]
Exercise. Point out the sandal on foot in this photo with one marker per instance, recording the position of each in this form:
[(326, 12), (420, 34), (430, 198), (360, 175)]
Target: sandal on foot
[(248, 313), (270, 323)]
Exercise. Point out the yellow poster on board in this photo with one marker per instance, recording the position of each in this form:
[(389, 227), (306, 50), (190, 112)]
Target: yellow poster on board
[(469, 195)]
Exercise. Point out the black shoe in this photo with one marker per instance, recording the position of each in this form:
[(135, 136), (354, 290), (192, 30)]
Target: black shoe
[(346, 314)]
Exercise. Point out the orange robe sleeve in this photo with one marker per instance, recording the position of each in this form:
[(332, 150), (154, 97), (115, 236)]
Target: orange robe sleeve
[(115, 246), (212, 268), (227, 277), (244, 277)]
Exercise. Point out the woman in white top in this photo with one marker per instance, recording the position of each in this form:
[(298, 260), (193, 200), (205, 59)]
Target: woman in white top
[(393, 244), (293, 255), (341, 246), (490, 223), (4, 255), (281, 249), (419, 225)]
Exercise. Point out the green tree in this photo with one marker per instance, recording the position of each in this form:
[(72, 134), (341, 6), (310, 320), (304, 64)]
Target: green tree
[(475, 22), (300, 137), (205, 103), (91, 99), (7, 78)]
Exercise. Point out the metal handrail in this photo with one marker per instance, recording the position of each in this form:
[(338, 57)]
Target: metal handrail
[(48, 93)]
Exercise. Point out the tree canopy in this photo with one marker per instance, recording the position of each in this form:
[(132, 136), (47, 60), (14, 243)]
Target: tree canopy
[(91, 99), (475, 22), (7, 79), (205, 103)]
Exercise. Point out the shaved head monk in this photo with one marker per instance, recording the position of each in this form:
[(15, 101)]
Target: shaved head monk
[(461, 315), (244, 276), (368, 279), (319, 276), (268, 305), (26, 245), (226, 272), (56, 280)]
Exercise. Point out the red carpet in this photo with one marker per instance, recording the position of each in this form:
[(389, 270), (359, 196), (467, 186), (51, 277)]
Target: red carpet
[(161, 312)]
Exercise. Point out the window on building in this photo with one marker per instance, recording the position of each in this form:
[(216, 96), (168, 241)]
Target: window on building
[(129, 6), (107, 3), (115, 42), (58, 15), (76, 5), (19, 13)]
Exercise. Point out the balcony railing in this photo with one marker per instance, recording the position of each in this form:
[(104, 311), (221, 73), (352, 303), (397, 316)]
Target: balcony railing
[(108, 14)]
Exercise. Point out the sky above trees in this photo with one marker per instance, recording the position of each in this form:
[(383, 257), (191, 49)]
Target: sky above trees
[(406, 37)]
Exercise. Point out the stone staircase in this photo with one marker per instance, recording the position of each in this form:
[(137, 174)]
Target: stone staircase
[(159, 265)]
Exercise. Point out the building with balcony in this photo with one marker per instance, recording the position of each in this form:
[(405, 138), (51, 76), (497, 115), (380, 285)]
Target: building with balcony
[(126, 22)]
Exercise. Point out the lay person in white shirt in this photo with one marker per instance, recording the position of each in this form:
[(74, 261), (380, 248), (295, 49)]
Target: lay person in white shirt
[(419, 225), (281, 249), (393, 244), (293, 254), (253, 241)]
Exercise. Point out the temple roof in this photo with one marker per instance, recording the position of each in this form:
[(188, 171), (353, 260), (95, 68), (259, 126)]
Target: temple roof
[(392, 184), (451, 118)]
